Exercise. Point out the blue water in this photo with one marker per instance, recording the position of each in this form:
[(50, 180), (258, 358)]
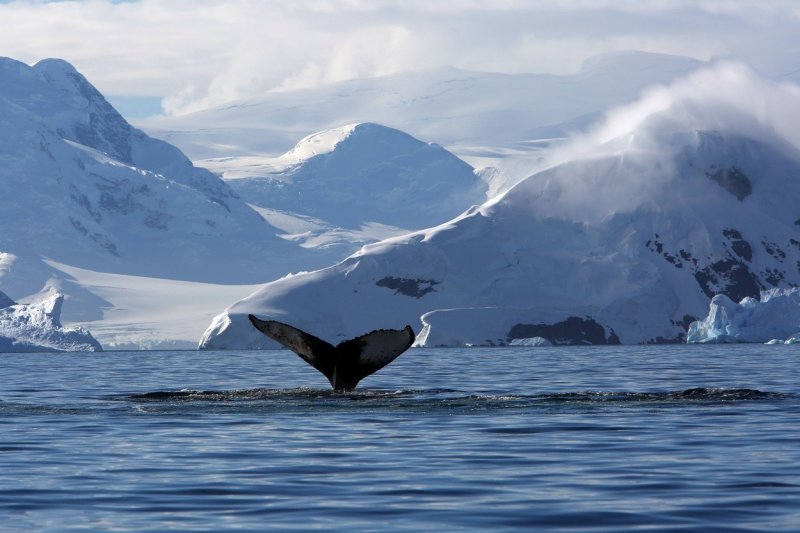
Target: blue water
[(598, 438)]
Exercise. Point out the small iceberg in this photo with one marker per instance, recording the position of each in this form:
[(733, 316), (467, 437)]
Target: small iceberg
[(36, 327), (775, 319)]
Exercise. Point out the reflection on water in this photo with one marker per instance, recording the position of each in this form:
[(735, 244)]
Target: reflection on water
[(598, 438)]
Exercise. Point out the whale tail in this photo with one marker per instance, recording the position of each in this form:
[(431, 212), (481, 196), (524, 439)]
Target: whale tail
[(346, 363)]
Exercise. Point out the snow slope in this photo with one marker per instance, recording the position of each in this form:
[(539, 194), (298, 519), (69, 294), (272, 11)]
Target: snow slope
[(688, 193), (144, 245), (37, 328), (93, 192), (356, 175), (85, 189)]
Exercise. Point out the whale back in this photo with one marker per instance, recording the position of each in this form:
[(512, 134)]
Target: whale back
[(347, 363)]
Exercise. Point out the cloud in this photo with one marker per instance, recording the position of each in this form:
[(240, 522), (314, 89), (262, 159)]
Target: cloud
[(727, 97), (634, 148), (203, 53)]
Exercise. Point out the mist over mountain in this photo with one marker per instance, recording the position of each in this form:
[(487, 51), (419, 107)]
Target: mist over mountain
[(453, 107), (690, 192), (623, 235)]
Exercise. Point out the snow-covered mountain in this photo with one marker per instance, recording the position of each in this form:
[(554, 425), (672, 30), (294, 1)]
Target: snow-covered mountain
[(357, 174), (456, 108), (91, 191), (688, 193), (123, 224)]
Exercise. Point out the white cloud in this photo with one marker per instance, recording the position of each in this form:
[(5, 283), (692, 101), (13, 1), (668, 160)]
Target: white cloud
[(727, 97), (203, 53)]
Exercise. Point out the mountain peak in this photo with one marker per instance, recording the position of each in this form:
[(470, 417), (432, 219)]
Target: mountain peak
[(54, 65), (374, 138), (358, 173), (321, 142)]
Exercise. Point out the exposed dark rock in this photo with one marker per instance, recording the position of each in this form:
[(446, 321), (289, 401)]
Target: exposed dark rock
[(687, 320), (5, 301), (657, 246), (732, 180), (105, 243), (673, 260), (795, 243), (730, 277), (78, 226), (99, 238), (739, 246), (732, 234), (680, 337), (83, 201), (684, 322), (573, 330), (797, 222), (773, 276), (416, 288), (121, 196), (774, 250)]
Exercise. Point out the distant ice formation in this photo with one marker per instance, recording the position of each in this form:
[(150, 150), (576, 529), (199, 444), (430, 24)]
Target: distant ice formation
[(37, 327), (775, 319)]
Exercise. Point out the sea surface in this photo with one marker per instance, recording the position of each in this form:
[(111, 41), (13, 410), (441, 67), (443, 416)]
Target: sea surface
[(665, 438)]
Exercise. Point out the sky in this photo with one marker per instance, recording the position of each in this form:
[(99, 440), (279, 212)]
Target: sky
[(179, 56)]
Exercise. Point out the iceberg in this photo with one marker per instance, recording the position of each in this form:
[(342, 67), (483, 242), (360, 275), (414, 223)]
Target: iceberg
[(774, 319), (37, 327)]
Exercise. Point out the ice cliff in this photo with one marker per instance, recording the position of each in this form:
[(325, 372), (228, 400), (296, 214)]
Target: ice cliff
[(774, 318), (36, 327)]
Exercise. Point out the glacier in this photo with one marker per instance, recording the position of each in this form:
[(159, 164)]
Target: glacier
[(773, 319), (36, 327)]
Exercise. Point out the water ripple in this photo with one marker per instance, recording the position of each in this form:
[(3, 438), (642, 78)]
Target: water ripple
[(590, 439)]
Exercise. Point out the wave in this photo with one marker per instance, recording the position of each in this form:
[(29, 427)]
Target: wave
[(446, 397)]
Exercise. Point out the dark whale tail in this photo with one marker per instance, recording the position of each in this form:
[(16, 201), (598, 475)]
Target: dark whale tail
[(347, 363)]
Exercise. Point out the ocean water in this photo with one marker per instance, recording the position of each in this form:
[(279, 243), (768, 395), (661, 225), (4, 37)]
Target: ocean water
[(581, 438)]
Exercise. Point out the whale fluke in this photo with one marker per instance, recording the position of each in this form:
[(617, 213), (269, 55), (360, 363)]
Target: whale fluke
[(347, 363)]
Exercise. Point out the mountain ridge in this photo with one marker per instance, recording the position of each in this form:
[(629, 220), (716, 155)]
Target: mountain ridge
[(631, 232)]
